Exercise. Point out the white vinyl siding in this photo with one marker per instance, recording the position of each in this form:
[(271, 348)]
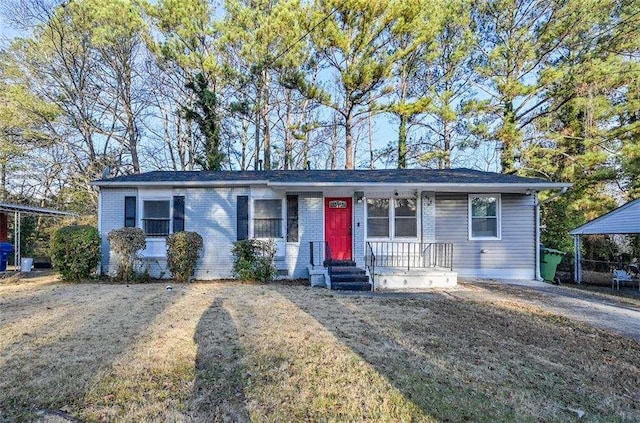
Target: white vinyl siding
[(516, 249)]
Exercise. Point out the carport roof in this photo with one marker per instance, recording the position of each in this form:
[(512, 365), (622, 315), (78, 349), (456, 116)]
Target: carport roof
[(41, 211), (623, 220)]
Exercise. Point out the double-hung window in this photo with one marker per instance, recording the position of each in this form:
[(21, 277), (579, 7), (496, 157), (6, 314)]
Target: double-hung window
[(392, 218), (484, 216), (156, 215), (267, 218), (378, 217), (405, 221)]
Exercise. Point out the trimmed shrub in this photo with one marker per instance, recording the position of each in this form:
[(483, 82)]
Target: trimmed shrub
[(75, 251), (125, 243), (253, 260), (183, 251)]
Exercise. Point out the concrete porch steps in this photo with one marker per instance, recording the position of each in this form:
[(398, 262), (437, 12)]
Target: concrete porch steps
[(345, 276)]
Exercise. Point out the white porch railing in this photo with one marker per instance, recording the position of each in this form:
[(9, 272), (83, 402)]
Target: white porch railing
[(409, 255)]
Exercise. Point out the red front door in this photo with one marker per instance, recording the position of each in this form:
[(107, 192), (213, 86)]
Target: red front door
[(337, 227)]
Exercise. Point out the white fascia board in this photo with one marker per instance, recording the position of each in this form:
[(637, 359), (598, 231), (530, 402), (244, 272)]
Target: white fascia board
[(442, 187), (446, 187), (176, 184)]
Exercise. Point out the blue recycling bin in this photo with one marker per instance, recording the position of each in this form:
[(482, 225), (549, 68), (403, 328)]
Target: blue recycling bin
[(5, 251)]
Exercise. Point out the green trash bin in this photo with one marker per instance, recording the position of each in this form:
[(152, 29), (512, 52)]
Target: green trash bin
[(549, 261)]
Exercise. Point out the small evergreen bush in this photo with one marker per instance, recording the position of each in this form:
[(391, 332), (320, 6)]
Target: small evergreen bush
[(183, 251), (253, 260), (75, 251), (125, 243)]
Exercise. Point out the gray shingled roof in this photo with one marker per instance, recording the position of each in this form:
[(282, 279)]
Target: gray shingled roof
[(387, 176)]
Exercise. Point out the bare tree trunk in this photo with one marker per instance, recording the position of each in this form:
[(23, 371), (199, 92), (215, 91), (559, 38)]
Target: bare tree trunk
[(256, 153), (3, 181), (334, 145), (245, 144), (348, 143), (167, 136), (264, 111), (371, 158), (402, 142), (288, 147)]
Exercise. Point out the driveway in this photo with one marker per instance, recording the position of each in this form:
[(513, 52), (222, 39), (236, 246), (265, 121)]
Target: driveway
[(599, 309)]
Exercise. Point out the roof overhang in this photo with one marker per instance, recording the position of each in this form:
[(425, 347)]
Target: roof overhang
[(519, 188), (40, 211), (436, 187)]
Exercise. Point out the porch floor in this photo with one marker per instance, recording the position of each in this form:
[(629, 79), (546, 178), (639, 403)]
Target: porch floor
[(401, 279)]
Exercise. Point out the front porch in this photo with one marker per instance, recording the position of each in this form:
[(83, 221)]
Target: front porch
[(388, 266)]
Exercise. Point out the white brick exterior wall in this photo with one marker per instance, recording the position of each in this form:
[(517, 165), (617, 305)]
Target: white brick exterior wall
[(212, 213), (208, 211), (310, 229), (428, 216), (359, 223), (111, 217)]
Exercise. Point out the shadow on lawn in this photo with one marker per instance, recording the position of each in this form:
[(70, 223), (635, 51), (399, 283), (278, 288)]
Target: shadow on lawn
[(461, 361), (218, 394), (53, 361), (427, 377)]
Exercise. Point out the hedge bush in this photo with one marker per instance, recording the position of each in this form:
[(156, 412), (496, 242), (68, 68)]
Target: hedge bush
[(253, 260), (125, 243), (183, 251), (75, 251)]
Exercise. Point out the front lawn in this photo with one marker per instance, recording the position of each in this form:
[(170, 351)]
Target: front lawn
[(229, 351)]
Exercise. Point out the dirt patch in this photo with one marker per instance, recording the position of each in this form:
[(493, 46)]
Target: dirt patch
[(227, 351)]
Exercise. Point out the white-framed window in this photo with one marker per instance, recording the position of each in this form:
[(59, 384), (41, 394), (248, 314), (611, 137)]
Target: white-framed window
[(392, 218), (267, 218), (378, 217), (484, 216), (405, 218), (156, 217)]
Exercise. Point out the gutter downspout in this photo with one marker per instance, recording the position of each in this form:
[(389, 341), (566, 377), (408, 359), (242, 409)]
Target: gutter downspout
[(538, 237)]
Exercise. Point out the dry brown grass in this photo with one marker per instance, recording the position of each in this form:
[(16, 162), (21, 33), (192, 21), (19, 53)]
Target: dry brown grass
[(229, 351)]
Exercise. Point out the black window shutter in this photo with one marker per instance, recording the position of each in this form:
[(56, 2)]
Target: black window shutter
[(242, 217), (130, 212), (178, 214), (292, 218)]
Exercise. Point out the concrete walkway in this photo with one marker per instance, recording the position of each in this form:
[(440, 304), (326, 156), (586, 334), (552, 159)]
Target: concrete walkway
[(599, 309)]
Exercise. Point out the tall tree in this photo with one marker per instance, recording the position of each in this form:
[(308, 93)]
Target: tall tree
[(518, 41), (452, 120), (354, 42), (265, 36), (413, 42), (186, 51), (588, 120)]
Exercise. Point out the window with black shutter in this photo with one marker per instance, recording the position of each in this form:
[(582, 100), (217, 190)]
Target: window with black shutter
[(130, 212), (178, 214), (292, 218), (242, 217)]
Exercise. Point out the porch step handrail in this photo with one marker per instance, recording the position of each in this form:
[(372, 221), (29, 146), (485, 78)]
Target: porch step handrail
[(412, 255), (319, 253), (370, 263)]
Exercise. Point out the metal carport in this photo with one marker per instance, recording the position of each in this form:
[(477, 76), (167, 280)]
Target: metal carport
[(18, 210), (624, 220)]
